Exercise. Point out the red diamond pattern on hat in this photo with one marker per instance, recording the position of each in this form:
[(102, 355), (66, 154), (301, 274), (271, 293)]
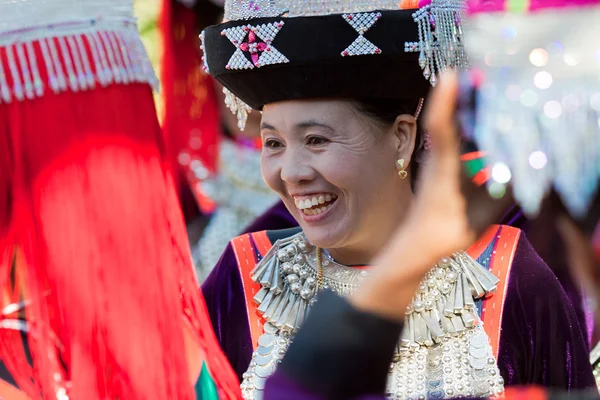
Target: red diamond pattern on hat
[(256, 42)]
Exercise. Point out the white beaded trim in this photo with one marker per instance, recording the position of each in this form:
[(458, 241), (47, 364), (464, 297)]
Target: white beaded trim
[(361, 22), (56, 59)]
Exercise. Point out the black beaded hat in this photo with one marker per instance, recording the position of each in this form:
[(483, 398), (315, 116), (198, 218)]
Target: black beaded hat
[(276, 50)]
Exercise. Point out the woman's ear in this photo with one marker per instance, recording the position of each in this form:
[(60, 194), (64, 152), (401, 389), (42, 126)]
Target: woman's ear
[(405, 131)]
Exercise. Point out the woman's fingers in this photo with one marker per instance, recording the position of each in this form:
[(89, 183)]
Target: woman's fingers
[(440, 116), (481, 209)]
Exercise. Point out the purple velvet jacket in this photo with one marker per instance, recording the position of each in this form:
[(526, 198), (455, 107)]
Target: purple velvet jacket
[(541, 341)]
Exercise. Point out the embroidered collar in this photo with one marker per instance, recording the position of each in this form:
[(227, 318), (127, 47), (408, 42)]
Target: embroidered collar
[(443, 305)]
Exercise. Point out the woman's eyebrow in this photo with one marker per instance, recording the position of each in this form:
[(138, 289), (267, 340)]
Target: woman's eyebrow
[(300, 126), (313, 124), (265, 125)]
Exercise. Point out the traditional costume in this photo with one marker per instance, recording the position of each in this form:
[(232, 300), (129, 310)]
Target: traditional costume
[(98, 297), (527, 331), (479, 321)]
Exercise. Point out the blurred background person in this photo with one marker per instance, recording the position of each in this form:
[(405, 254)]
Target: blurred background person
[(217, 162)]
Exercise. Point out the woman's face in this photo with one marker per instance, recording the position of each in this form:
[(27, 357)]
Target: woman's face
[(336, 170)]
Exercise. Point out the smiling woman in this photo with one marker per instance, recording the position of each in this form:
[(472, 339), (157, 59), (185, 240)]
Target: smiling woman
[(340, 128), (332, 149)]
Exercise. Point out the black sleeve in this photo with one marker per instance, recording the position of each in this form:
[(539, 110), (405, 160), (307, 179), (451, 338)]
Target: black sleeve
[(341, 352)]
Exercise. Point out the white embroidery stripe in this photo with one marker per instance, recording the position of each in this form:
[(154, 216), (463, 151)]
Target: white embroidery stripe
[(4, 89), (89, 75), (24, 67), (60, 74), (38, 86), (76, 59), (14, 71)]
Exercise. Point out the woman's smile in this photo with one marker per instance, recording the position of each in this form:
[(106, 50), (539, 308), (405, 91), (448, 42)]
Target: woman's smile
[(314, 204)]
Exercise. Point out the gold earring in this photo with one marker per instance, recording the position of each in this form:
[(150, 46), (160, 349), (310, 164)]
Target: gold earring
[(402, 172)]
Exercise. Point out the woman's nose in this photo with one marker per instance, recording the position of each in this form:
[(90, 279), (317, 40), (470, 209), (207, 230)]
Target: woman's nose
[(295, 169)]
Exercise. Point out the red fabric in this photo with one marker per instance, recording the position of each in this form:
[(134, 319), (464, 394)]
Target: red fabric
[(105, 256), (192, 122)]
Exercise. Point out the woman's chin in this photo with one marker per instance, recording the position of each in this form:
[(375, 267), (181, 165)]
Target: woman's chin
[(323, 237), (327, 229)]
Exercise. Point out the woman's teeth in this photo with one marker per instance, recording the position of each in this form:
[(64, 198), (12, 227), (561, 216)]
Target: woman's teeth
[(316, 204)]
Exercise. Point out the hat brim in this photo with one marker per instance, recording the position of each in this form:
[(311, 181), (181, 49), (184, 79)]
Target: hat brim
[(316, 67)]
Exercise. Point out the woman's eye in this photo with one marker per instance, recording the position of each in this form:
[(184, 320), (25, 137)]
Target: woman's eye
[(272, 144), (316, 140)]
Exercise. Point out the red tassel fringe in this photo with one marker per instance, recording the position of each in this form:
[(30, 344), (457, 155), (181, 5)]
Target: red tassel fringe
[(106, 266)]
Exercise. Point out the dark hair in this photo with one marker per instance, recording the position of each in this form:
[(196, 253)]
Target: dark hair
[(384, 113)]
